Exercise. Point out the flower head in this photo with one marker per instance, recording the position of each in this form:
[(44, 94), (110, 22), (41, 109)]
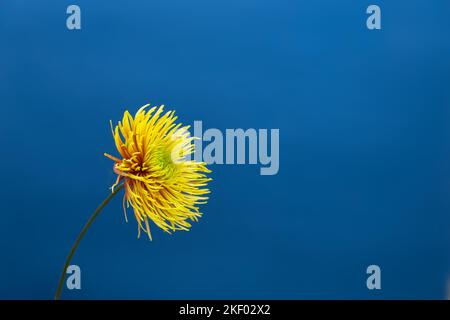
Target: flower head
[(161, 184)]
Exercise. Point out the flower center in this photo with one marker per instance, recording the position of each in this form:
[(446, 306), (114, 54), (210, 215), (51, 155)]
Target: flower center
[(163, 160)]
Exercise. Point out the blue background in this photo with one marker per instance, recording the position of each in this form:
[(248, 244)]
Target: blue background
[(364, 146)]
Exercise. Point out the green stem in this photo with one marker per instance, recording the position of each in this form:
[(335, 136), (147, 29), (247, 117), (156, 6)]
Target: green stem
[(80, 236)]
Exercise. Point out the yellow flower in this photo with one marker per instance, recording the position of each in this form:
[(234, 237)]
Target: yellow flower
[(160, 183)]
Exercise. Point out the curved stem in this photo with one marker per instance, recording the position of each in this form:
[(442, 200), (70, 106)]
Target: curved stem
[(80, 236)]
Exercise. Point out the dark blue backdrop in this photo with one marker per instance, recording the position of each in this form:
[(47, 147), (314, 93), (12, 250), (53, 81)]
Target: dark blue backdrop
[(364, 138)]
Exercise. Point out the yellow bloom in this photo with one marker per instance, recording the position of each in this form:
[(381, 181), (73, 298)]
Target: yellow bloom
[(160, 183)]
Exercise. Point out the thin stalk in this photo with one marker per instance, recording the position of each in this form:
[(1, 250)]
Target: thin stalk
[(80, 236)]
